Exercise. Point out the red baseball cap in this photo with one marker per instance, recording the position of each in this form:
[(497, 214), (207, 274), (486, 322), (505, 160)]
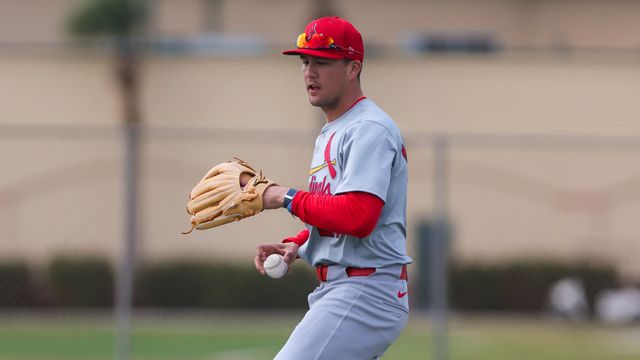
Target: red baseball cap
[(330, 37)]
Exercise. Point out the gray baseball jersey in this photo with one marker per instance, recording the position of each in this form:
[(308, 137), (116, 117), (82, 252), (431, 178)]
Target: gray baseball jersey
[(362, 150), (356, 317)]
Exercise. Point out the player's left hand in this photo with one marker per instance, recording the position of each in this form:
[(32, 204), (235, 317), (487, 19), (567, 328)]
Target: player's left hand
[(230, 191), (289, 252), (273, 196)]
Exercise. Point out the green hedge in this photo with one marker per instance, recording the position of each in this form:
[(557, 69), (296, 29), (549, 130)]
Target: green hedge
[(521, 286), (216, 285), (81, 282), (89, 282), (16, 285)]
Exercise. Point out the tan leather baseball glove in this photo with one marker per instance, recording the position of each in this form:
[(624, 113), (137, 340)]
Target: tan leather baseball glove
[(219, 197)]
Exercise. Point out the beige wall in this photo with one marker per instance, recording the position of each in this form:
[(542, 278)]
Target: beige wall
[(541, 23), (504, 202), (514, 23), (177, 18), (33, 21)]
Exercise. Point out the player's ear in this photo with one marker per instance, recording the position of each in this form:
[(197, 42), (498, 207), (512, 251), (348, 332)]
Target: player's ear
[(354, 67)]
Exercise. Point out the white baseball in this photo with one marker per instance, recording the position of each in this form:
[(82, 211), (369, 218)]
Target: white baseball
[(275, 266)]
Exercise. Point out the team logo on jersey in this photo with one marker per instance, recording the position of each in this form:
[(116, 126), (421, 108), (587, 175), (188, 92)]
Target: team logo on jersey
[(404, 153), (327, 158), (323, 187), (328, 163), (320, 167)]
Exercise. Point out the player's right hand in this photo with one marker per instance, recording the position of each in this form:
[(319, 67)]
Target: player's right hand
[(289, 252)]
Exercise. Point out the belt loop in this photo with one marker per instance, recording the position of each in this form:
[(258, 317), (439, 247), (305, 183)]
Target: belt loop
[(321, 272), (353, 271)]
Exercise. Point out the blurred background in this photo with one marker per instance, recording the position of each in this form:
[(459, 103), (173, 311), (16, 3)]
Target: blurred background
[(521, 124)]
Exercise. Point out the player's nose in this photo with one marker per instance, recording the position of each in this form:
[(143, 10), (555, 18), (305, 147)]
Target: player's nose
[(310, 71)]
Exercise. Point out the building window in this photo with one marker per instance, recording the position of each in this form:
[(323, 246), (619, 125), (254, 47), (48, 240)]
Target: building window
[(452, 43)]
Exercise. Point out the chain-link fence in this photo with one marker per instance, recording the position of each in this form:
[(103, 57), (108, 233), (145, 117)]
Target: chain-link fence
[(517, 224), (534, 224), (520, 214)]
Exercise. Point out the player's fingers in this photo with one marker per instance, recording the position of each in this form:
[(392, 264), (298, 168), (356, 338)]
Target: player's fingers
[(258, 264), (244, 179), (262, 253), (290, 256), (291, 253)]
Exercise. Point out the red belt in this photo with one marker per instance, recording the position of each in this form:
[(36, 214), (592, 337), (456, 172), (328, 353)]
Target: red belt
[(321, 272)]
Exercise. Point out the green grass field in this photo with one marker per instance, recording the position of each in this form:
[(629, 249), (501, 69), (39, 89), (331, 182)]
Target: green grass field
[(252, 337)]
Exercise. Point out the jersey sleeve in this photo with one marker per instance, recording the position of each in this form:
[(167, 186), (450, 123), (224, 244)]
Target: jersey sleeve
[(367, 154), (353, 213), (299, 239)]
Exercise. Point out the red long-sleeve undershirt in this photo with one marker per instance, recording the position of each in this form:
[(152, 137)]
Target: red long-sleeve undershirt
[(353, 213)]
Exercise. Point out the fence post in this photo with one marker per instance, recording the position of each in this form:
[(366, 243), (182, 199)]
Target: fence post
[(125, 267), (440, 247)]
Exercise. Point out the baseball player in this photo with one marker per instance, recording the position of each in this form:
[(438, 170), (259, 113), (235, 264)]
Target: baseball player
[(354, 210)]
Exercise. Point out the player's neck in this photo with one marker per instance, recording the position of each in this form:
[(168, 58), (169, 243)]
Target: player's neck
[(343, 105)]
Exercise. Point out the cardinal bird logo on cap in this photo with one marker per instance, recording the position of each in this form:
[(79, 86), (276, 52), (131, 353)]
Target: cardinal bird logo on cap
[(313, 40)]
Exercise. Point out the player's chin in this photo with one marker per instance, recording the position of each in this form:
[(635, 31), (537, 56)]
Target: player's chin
[(315, 101), (320, 101)]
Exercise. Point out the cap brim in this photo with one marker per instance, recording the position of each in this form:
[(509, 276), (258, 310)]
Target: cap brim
[(328, 54)]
